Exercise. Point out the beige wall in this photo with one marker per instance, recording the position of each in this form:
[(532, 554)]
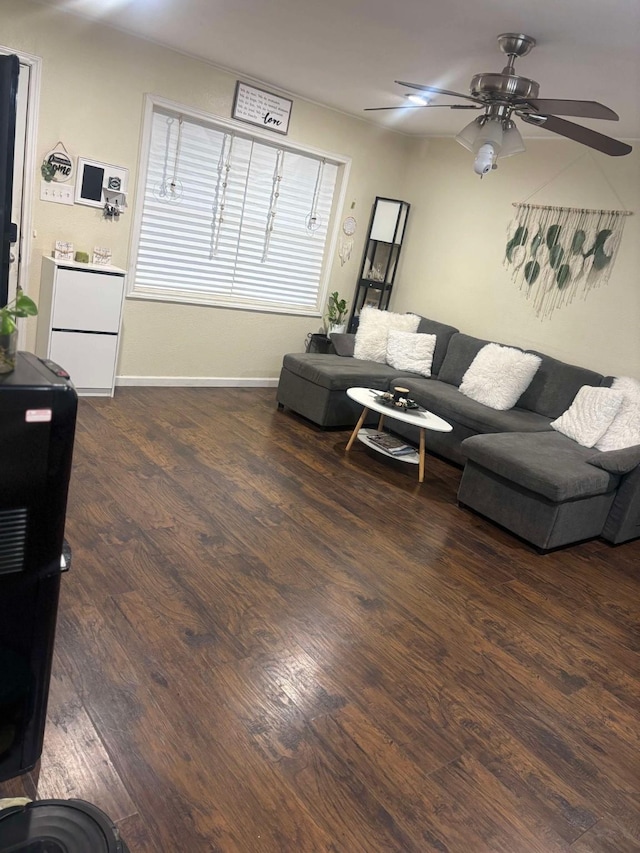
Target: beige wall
[(93, 84), (452, 266)]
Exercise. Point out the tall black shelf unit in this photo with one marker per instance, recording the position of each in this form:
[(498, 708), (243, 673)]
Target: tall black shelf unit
[(381, 255)]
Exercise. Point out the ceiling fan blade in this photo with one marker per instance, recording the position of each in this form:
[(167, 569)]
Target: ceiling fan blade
[(581, 109), (437, 91), (426, 107), (578, 133)]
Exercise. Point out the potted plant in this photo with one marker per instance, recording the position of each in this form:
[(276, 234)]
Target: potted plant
[(21, 306), (336, 314)]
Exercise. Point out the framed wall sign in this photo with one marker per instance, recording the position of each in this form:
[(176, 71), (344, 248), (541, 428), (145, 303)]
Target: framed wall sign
[(256, 106)]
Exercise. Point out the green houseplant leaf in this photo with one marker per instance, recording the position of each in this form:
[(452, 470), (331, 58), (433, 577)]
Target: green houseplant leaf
[(21, 306), (336, 309)]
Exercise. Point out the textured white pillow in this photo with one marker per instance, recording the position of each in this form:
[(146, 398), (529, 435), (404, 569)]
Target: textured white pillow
[(411, 351), (625, 428), (498, 375), (373, 331), (590, 415)]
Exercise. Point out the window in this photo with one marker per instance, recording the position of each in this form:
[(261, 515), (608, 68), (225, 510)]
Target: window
[(230, 217)]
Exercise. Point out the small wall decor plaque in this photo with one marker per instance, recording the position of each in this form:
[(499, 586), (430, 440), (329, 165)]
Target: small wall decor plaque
[(255, 106), (57, 165), (101, 256), (63, 251)]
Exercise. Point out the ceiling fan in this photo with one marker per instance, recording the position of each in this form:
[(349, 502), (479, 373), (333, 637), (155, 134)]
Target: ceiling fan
[(501, 95)]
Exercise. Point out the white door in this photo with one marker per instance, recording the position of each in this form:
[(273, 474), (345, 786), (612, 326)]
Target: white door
[(19, 176)]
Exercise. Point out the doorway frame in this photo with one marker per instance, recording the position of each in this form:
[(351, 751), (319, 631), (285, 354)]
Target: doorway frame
[(29, 171)]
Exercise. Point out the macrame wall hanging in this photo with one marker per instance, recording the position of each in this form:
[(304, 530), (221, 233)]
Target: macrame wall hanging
[(558, 253)]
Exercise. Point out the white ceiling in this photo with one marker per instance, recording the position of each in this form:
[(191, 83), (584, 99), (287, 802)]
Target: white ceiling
[(347, 53)]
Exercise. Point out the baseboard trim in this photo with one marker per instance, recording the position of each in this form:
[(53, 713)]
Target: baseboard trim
[(198, 381)]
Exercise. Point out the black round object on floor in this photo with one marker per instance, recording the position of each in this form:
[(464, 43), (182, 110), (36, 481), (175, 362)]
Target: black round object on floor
[(58, 826)]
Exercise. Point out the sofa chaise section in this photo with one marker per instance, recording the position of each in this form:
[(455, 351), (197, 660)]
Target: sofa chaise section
[(539, 486), (314, 384)]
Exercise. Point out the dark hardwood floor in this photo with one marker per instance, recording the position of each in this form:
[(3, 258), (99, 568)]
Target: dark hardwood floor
[(267, 645)]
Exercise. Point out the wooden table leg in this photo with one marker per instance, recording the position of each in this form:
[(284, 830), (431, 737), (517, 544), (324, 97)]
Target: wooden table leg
[(380, 423), (357, 428), (421, 463)]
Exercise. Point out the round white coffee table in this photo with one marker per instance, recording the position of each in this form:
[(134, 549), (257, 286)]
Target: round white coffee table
[(366, 397)]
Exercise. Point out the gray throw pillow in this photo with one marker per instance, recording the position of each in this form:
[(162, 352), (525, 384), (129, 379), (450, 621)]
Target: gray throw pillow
[(343, 343), (617, 461)]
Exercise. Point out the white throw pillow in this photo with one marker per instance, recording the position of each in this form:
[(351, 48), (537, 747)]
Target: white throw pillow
[(373, 331), (590, 415), (625, 428), (411, 351), (498, 375)]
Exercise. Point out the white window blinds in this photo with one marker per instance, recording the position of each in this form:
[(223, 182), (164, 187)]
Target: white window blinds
[(231, 219)]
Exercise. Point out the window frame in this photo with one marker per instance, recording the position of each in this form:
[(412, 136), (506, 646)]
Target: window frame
[(185, 297)]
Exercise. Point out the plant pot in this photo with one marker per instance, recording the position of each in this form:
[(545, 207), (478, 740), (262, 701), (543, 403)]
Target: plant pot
[(337, 328), (8, 347)]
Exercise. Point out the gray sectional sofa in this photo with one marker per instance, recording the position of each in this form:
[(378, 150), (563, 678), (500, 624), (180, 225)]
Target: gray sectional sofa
[(518, 471)]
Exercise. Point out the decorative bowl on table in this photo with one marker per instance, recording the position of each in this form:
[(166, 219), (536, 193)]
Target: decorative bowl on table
[(386, 398)]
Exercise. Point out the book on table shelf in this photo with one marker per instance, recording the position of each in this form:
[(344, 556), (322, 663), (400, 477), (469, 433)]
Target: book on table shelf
[(391, 444)]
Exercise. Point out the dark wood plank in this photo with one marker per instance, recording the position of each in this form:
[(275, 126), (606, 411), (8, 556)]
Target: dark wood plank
[(266, 644), (74, 761)]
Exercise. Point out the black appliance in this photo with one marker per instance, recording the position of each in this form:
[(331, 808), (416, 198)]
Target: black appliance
[(38, 406)]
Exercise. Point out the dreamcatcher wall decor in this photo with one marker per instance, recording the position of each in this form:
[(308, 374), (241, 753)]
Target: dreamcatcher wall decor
[(558, 253), (346, 243)]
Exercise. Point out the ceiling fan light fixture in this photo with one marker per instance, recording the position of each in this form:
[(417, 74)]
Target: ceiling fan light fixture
[(511, 140), (469, 133), (482, 130), (489, 138)]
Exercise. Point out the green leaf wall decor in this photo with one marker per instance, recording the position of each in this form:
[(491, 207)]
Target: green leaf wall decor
[(572, 250)]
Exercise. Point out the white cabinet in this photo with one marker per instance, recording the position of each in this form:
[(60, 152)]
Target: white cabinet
[(79, 317)]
